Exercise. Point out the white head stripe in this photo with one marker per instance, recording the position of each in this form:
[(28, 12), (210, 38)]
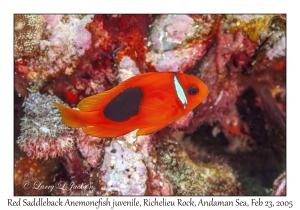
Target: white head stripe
[(180, 92)]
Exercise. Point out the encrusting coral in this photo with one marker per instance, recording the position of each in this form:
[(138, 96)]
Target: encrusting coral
[(28, 30), (29, 174), (194, 178)]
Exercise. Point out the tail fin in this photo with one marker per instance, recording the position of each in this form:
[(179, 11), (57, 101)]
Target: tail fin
[(70, 117)]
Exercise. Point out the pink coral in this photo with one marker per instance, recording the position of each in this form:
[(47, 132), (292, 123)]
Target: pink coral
[(170, 31), (177, 60), (179, 41), (82, 38), (127, 69), (52, 20), (91, 148), (157, 183), (124, 170)]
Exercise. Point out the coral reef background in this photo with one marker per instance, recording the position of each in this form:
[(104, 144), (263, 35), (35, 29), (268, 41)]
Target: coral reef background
[(234, 143)]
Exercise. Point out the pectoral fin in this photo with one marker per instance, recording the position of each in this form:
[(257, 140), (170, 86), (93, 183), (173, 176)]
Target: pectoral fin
[(155, 104), (158, 107)]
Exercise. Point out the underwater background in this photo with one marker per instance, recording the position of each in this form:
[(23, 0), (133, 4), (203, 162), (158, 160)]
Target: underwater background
[(233, 143)]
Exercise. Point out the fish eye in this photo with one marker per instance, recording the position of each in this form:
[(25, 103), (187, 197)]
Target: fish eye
[(193, 90)]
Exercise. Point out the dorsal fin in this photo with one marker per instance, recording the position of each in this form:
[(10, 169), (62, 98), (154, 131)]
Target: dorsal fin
[(95, 102), (98, 101)]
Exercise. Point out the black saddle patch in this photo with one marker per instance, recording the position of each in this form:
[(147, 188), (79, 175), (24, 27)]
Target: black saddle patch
[(125, 105)]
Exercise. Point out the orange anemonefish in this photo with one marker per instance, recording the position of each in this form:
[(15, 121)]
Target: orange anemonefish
[(148, 102)]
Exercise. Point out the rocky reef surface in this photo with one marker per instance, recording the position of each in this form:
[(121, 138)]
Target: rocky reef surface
[(233, 143)]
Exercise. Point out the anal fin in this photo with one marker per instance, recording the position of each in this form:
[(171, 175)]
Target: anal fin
[(148, 130), (103, 132)]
